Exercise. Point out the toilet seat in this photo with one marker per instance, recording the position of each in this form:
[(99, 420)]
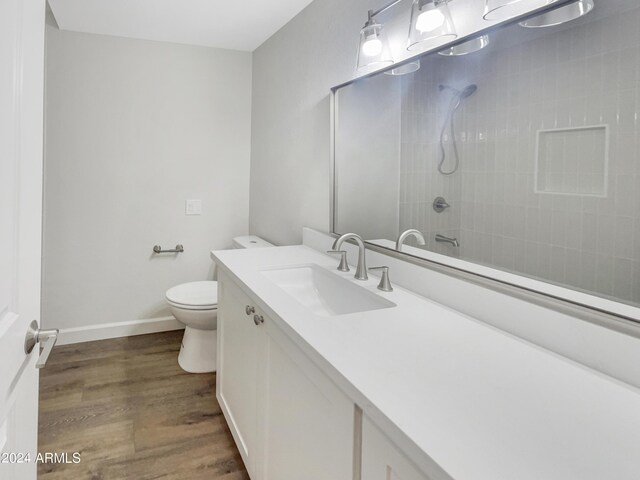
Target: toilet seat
[(194, 296), (192, 307)]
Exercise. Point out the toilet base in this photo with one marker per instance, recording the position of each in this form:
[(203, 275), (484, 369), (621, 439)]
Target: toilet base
[(198, 350)]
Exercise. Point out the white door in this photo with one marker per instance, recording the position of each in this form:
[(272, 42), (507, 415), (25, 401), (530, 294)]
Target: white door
[(21, 132)]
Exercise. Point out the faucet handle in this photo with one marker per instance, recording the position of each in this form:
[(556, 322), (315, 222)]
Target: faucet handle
[(344, 266), (385, 284)]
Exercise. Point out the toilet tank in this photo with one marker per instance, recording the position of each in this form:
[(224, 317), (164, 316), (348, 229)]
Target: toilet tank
[(250, 241)]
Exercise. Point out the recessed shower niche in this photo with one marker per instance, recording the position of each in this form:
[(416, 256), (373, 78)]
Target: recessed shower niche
[(573, 161), (532, 140)]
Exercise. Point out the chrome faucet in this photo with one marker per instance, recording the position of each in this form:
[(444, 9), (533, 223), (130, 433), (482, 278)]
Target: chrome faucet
[(411, 232), (361, 270)]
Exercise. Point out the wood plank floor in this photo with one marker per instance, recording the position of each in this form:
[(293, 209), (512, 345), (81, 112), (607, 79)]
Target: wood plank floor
[(132, 413)]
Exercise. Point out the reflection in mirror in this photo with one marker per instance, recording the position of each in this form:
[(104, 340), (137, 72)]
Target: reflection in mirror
[(522, 155)]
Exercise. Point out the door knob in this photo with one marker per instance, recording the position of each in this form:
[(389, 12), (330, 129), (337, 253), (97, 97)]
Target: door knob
[(249, 309), (36, 335), (258, 319)]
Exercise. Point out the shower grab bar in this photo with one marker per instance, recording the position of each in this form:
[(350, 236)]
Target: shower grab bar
[(158, 249)]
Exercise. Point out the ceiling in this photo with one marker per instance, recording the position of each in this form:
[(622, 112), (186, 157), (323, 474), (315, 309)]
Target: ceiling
[(237, 25)]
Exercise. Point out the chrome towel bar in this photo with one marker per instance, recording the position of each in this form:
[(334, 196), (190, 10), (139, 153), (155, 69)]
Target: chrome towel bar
[(158, 249)]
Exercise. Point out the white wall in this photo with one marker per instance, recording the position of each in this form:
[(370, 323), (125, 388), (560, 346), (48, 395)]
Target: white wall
[(133, 128)]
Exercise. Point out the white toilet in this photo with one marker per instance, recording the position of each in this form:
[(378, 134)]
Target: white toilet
[(196, 305)]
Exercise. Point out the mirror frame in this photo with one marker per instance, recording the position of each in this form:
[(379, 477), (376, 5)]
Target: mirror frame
[(590, 307)]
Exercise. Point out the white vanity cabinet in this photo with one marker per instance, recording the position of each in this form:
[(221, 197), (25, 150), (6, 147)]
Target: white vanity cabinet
[(288, 419), (239, 342), (381, 460)]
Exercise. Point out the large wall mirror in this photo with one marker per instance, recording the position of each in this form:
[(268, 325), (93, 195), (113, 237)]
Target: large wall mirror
[(522, 156)]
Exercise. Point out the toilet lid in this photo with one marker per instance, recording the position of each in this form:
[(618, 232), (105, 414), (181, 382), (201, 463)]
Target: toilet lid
[(196, 294)]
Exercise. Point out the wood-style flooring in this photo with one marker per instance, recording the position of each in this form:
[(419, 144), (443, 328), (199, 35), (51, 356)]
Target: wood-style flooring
[(132, 413)]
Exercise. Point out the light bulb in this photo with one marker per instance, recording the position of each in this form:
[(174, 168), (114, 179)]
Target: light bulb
[(429, 20), (372, 47)]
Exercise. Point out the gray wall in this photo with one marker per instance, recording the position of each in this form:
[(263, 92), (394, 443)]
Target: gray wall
[(367, 153), (581, 226), (133, 129), (576, 222), (424, 111), (293, 72)]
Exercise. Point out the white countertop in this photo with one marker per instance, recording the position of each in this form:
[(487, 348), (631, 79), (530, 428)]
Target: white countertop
[(480, 403)]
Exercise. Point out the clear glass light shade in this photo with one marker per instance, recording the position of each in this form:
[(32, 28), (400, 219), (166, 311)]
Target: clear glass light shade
[(373, 50), (498, 10), (431, 23), (560, 15), (404, 69), (467, 47)]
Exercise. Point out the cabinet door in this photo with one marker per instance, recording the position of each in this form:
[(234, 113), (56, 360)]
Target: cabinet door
[(381, 460), (306, 422), (239, 340)]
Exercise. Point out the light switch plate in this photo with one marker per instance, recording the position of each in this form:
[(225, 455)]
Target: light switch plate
[(193, 207)]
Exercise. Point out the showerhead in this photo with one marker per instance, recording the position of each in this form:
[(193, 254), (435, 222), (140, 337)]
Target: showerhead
[(461, 94), (468, 91), (455, 102)]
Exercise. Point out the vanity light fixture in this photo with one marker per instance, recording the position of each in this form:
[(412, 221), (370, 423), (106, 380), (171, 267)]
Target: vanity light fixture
[(430, 21), (465, 48), (404, 69), (373, 50), (498, 10), (560, 15)]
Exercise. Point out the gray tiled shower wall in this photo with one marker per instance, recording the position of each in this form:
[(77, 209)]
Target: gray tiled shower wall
[(582, 234)]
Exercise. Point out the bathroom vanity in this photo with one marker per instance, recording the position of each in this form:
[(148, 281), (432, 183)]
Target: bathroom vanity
[(395, 386), (286, 416)]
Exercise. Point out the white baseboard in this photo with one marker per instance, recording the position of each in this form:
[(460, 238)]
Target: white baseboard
[(115, 330)]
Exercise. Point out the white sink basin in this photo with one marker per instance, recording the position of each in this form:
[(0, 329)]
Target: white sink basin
[(324, 293)]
